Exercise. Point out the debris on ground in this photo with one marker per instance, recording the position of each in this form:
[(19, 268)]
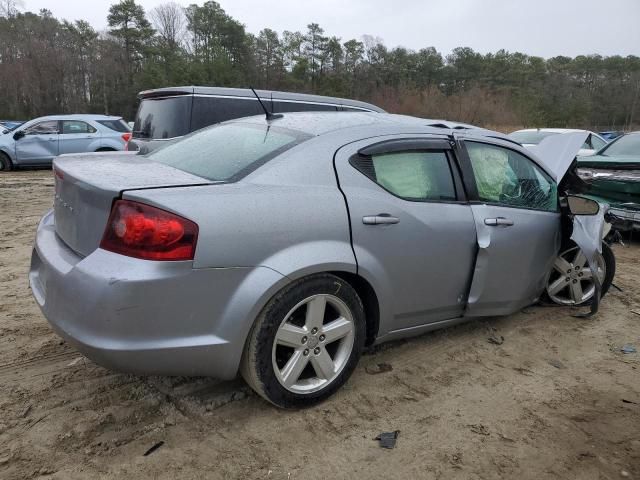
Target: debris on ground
[(557, 363), (628, 348), (75, 362), (26, 411), (388, 439), (479, 429), (494, 337), (635, 311), (624, 400), (378, 368), (153, 448)]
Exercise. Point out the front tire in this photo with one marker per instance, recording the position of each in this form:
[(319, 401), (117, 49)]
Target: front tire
[(306, 342), (5, 163), (571, 284)]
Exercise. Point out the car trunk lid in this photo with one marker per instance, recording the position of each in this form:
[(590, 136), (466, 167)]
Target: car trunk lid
[(86, 186)]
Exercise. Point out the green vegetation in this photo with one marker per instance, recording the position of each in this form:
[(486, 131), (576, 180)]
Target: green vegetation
[(51, 66)]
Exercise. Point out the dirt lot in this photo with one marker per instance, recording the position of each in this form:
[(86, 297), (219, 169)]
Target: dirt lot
[(556, 400)]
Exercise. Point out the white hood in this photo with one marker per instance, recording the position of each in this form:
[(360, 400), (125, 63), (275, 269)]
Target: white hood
[(557, 152)]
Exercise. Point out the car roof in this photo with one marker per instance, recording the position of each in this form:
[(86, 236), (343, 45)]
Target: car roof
[(553, 130), (321, 123), (79, 116), (263, 94)]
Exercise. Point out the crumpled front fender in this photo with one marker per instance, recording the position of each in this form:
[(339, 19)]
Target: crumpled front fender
[(588, 233)]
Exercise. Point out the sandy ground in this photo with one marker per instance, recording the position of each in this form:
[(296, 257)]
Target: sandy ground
[(556, 400)]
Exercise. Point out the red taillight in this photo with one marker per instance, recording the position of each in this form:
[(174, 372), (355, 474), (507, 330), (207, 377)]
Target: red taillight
[(126, 137), (142, 231)]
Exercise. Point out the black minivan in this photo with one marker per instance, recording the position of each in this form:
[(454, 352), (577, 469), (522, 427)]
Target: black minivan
[(168, 113)]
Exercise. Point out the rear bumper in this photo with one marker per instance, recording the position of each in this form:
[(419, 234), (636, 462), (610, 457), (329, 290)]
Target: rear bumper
[(147, 317)]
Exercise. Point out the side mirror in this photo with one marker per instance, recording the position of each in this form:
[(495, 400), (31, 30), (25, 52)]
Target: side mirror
[(18, 135), (582, 205)]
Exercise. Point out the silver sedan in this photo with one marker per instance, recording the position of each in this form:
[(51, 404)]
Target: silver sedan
[(280, 248)]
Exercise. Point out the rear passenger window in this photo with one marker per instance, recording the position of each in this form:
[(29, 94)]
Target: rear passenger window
[(209, 110), (416, 176), (76, 126)]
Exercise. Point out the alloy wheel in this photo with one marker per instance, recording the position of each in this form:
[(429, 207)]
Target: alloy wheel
[(313, 344), (571, 282)]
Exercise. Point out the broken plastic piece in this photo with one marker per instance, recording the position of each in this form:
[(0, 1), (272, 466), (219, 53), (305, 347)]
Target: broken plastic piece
[(153, 448), (388, 439), (628, 348)]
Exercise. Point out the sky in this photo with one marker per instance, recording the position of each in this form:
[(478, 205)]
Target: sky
[(537, 27)]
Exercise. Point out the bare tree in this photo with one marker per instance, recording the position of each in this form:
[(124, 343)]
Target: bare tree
[(169, 21), (8, 8)]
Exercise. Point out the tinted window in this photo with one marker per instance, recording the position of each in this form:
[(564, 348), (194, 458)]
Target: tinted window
[(411, 175), (353, 109), (283, 107), (210, 110), (229, 151), (508, 178), (115, 125), (76, 126), (163, 117), (43, 128)]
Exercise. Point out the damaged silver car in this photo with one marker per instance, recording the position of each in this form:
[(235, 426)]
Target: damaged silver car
[(280, 247)]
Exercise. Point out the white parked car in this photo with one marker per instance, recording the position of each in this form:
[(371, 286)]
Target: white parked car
[(533, 136)]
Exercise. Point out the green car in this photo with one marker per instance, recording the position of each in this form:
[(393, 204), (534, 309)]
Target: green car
[(614, 178)]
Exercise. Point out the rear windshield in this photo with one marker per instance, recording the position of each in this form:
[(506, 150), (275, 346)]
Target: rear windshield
[(625, 145), (166, 117), (115, 125), (227, 152), (530, 138)]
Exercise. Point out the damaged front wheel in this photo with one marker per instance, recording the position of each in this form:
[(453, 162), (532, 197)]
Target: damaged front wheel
[(571, 281)]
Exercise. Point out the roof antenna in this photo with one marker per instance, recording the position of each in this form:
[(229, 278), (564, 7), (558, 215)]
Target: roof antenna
[(270, 116)]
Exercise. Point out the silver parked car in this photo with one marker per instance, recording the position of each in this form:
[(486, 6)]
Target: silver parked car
[(281, 248), (533, 136), (37, 142)]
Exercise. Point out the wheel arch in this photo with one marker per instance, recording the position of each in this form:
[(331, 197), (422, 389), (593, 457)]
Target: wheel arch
[(7, 152), (369, 298)]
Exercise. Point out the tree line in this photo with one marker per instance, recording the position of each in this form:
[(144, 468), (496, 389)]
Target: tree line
[(52, 66)]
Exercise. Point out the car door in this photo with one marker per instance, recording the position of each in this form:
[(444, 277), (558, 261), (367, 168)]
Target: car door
[(412, 231), (39, 144), (515, 209), (77, 137)]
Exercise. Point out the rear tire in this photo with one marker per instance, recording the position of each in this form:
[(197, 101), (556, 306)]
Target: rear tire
[(5, 163), (306, 342)]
